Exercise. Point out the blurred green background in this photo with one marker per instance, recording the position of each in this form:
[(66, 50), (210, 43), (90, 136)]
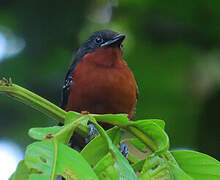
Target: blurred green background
[(172, 48)]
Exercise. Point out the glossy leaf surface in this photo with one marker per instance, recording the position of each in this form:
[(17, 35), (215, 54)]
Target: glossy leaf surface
[(49, 159), (199, 166)]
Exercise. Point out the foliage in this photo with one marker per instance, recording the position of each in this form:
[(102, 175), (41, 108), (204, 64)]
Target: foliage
[(50, 157), (171, 46)]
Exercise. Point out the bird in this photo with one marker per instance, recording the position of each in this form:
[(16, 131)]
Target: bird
[(99, 80)]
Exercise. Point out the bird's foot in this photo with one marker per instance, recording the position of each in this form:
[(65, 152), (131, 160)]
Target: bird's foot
[(124, 149), (93, 131)]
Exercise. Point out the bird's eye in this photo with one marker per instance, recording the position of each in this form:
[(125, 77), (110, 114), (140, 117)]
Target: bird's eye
[(99, 40)]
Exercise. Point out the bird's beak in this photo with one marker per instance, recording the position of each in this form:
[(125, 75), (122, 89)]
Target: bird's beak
[(116, 40)]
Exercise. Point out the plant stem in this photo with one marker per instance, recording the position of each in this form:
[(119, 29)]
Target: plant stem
[(54, 111), (145, 139), (53, 175), (38, 103), (72, 126), (33, 100), (102, 132)]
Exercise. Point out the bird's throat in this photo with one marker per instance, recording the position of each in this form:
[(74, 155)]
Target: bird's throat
[(105, 56)]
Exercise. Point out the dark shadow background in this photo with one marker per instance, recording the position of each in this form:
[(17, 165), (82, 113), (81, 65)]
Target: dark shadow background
[(172, 48)]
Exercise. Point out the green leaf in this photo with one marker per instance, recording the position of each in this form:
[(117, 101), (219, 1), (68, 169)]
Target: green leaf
[(115, 119), (114, 166), (41, 133), (105, 168), (155, 168), (139, 145), (50, 159), (71, 116), (178, 173), (97, 146), (163, 167), (199, 166), (61, 133), (159, 122), (22, 172), (122, 163), (155, 132), (111, 164), (79, 119), (138, 165)]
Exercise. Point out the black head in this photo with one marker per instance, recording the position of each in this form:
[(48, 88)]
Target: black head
[(103, 38)]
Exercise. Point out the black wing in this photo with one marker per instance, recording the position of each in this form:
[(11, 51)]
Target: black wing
[(137, 93), (66, 88), (69, 76), (69, 79)]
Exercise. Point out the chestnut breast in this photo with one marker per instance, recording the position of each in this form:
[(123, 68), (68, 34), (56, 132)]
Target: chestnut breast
[(103, 83)]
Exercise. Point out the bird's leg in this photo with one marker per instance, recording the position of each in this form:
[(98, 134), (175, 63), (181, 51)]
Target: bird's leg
[(92, 133), (124, 149)]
